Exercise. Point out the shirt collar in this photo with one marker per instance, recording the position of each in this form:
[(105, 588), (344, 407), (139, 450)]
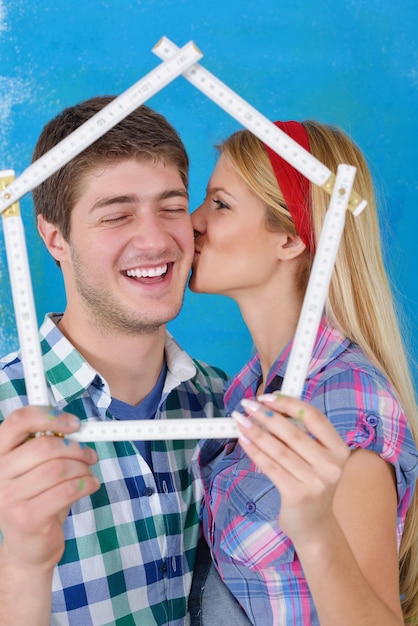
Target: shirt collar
[(180, 366), (329, 344), (69, 375), (67, 372)]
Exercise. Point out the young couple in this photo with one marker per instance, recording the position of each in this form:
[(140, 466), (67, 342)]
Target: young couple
[(303, 527)]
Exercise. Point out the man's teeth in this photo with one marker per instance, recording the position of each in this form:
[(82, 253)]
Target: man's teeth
[(152, 271)]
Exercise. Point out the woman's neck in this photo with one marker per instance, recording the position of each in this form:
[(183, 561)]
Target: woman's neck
[(272, 320)]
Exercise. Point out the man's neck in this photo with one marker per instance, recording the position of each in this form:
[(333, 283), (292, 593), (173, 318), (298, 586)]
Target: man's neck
[(129, 364)]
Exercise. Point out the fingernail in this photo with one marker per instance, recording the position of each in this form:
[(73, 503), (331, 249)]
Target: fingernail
[(73, 420), (51, 412), (243, 438), (241, 419), (267, 397), (298, 423), (252, 405)]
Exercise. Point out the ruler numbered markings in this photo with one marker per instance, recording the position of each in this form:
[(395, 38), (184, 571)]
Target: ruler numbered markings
[(23, 300), (11, 190), (99, 124), (153, 430), (183, 61), (318, 284), (225, 428), (259, 125), (338, 187)]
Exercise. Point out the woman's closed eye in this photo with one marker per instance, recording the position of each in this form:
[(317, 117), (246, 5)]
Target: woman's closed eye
[(220, 204)]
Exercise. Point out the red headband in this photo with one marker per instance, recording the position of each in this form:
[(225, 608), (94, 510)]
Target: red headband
[(294, 186)]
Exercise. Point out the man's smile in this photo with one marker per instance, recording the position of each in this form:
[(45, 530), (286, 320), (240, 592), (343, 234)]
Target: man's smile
[(147, 272)]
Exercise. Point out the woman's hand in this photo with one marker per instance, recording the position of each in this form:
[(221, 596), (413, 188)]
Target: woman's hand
[(304, 457)]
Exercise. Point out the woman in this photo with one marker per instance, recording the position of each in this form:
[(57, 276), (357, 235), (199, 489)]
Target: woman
[(304, 526)]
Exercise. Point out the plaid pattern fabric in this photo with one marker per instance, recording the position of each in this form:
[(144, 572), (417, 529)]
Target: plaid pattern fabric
[(255, 558), (130, 547)]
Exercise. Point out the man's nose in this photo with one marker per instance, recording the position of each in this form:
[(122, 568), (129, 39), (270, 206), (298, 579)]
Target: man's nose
[(148, 231)]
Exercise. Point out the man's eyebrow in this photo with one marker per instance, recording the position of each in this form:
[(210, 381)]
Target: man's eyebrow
[(109, 200), (133, 198), (173, 193)]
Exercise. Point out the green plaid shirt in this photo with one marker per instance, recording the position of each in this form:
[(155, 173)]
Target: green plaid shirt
[(130, 547)]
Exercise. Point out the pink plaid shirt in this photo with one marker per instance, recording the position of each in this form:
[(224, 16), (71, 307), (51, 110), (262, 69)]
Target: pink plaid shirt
[(256, 560)]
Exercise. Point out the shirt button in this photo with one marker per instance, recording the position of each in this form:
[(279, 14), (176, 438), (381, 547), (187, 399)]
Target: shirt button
[(373, 420), (148, 491), (251, 507)]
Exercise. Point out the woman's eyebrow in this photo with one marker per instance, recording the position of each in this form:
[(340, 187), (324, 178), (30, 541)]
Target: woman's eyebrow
[(216, 189)]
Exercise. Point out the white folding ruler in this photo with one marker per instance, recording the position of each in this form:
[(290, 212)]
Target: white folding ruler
[(11, 190), (259, 125), (23, 301), (141, 430), (342, 196), (308, 323), (295, 375), (318, 284), (99, 123)]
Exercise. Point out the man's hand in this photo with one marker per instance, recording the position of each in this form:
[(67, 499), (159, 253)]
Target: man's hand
[(40, 478)]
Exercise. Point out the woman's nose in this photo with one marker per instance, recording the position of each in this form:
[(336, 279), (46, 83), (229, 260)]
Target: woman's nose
[(199, 220)]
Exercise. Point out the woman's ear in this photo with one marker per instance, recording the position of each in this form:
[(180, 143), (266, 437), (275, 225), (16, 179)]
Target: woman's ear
[(289, 246), (52, 238)]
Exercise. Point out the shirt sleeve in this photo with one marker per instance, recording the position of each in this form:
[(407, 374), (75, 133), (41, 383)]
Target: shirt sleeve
[(366, 413)]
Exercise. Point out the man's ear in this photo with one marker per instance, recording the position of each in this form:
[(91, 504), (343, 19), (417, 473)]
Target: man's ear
[(53, 239), (289, 246)]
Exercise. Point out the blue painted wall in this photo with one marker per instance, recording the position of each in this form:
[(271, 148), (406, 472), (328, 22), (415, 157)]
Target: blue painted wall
[(352, 63)]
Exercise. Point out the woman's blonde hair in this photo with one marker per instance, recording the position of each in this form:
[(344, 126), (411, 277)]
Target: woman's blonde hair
[(360, 302)]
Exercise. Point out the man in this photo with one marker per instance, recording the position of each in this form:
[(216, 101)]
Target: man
[(116, 221)]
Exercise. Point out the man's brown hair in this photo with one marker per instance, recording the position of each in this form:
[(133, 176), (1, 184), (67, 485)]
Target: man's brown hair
[(143, 135)]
